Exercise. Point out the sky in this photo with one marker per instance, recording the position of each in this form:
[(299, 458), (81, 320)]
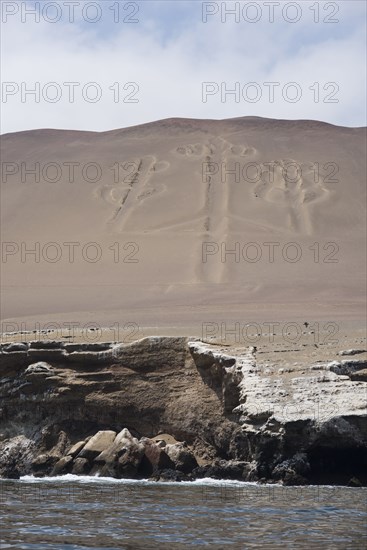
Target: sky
[(101, 65)]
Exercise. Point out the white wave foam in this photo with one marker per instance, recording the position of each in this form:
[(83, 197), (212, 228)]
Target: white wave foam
[(206, 481), (67, 478)]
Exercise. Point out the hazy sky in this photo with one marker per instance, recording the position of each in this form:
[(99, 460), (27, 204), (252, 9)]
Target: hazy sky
[(110, 64)]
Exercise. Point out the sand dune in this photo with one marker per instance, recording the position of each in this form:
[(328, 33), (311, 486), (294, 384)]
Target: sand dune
[(165, 204)]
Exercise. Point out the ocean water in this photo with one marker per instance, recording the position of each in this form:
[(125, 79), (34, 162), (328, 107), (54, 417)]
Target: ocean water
[(77, 513)]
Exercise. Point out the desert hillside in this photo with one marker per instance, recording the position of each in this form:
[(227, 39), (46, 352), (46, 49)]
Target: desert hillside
[(165, 203)]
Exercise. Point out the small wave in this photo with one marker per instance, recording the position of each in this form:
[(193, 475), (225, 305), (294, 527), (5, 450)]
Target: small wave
[(67, 478), (79, 479)]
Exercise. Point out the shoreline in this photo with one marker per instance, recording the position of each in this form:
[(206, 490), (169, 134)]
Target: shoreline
[(193, 409), (198, 482)]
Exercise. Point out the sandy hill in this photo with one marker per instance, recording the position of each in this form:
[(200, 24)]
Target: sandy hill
[(165, 202)]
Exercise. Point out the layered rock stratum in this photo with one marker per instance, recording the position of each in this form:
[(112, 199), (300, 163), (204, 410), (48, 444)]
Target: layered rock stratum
[(180, 408)]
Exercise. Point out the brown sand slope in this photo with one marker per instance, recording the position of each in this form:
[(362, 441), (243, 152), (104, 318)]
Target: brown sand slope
[(297, 182)]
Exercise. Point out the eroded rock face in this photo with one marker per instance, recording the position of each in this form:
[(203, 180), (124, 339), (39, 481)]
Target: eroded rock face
[(293, 471), (97, 409), (39, 368), (352, 351)]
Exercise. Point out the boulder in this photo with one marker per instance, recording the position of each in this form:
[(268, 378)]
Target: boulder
[(76, 448), (43, 464), (123, 442), (122, 458), (98, 443), (63, 466), (124, 435), (154, 459), (81, 466), (183, 459), (130, 460)]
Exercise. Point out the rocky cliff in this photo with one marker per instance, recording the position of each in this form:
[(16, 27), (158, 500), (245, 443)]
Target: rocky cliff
[(179, 408)]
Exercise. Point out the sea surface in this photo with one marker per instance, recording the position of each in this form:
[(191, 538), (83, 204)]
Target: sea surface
[(77, 513)]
